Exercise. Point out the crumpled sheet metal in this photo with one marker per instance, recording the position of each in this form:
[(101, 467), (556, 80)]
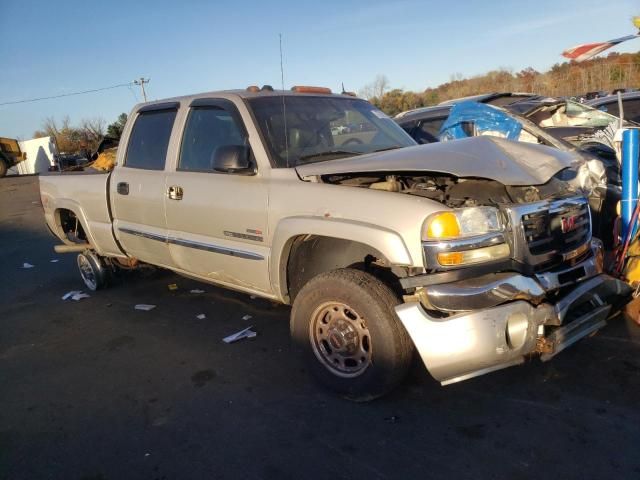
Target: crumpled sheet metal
[(489, 120)]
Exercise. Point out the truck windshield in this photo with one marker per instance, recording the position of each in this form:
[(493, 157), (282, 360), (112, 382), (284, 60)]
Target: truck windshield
[(584, 116), (306, 129)]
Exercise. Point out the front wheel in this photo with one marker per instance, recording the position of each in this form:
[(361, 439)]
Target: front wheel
[(345, 324)]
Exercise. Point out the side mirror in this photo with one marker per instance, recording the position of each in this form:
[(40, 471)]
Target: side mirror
[(232, 159)]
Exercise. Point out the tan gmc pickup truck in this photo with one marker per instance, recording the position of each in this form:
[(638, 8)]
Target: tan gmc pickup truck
[(476, 254)]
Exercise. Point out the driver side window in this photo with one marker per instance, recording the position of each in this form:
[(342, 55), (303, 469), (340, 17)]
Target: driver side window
[(208, 128)]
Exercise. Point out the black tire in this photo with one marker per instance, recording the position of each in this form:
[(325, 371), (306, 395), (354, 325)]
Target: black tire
[(381, 361), (93, 272), (3, 168)]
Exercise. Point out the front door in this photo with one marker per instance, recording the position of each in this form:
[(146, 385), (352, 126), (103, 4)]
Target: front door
[(138, 187), (217, 221)]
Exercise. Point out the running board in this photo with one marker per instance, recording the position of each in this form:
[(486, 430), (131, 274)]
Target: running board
[(566, 336)]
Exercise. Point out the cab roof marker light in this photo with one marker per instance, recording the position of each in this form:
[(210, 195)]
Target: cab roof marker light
[(309, 89)]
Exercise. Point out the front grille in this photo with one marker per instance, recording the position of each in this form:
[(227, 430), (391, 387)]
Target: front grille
[(557, 230), (551, 232)]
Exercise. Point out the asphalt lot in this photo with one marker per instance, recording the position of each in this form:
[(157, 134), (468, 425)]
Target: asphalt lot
[(97, 390)]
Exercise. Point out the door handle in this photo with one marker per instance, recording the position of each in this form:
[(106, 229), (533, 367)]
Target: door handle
[(123, 188), (175, 192)]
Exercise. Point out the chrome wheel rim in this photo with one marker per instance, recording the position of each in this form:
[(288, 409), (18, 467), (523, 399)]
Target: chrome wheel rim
[(87, 273), (340, 339)]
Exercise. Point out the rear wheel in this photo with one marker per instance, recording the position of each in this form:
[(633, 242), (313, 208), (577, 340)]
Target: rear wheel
[(3, 168), (92, 270), (345, 324)]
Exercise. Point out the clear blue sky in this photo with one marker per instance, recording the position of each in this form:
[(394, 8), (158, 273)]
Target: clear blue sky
[(55, 47)]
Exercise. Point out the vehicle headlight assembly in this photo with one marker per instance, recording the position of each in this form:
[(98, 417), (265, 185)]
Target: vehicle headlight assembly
[(464, 236), (461, 223)]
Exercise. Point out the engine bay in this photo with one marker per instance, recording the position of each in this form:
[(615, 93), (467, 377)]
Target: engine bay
[(452, 191)]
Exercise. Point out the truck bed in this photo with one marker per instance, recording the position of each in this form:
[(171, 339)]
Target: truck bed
[(86, 195)]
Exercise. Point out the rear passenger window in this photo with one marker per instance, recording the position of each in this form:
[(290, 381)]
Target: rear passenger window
[(149, 140), (429, 130), (632, 110), (611, 108), (207, 129)]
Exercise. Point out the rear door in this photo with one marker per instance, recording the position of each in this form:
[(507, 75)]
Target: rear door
[(138, 186), (217, 221)]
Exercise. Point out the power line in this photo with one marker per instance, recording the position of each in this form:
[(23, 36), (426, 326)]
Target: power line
[(66, 94), (135, 97)]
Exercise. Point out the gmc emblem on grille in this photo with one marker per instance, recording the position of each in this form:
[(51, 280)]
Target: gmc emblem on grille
[(569, 223)]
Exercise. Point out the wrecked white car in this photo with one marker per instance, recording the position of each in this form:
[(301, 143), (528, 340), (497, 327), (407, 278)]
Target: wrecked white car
[(476, 253)]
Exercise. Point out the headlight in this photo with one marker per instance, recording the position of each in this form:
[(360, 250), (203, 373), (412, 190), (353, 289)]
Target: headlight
[(458, 237), (461, 223)]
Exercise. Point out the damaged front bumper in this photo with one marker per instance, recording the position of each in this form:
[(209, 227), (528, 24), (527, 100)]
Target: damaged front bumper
[(468, 328)]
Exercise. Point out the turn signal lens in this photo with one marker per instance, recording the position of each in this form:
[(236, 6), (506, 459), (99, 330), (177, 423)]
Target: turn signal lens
[(450, 258), (443, 225), (477, 255)]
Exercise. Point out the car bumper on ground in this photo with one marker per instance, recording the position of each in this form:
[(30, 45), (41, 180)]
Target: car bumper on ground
[(472, 327)]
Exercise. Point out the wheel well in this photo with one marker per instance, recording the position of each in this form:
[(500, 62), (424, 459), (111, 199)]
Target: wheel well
[(311, 255), (70, 224)]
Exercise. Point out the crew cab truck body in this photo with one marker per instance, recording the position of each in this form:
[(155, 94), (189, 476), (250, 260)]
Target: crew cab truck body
[(476, 253)]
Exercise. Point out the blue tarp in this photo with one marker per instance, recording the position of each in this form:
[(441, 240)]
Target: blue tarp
[(483, 117)]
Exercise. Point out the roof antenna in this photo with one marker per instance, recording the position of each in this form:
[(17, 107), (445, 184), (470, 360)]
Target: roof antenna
[(284, 107), (344, 92)]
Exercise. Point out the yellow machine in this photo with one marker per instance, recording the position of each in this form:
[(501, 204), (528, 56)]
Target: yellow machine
[(10, 154)]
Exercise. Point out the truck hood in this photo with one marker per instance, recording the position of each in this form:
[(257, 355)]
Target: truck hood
[(494, 158)]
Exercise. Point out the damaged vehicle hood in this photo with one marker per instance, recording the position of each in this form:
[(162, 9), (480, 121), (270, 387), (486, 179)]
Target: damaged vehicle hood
[(510, 163)]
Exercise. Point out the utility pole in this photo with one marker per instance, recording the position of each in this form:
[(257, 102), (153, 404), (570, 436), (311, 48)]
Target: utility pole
[(141, 82)]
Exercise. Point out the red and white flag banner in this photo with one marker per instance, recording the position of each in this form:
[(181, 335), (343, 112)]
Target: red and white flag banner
[(586, 51)]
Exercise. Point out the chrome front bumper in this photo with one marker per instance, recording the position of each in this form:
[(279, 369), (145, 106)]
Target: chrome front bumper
[(499, 319), (494, 289)]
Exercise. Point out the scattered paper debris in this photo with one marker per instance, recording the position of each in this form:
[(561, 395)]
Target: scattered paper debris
[(246, 333), (202, 316), (247, 317), (55, 260), (70, 294), (27, 265), (172, 286), (197, 290), (75, 295), (144, 307)]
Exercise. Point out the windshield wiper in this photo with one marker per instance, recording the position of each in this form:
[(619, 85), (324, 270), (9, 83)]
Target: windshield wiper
[(328, 153)]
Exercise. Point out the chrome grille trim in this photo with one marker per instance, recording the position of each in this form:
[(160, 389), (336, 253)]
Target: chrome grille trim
[(528, 244)]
